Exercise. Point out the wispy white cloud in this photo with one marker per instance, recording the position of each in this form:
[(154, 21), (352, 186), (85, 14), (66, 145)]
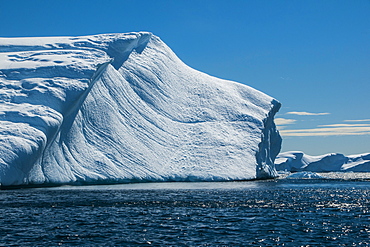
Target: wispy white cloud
[(330, 130), (351, 127), (359, 120), (344, 125), (284, 121), (303, 113)]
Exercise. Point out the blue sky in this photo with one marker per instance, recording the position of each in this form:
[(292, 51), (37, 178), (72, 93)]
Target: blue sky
[(313, 56)]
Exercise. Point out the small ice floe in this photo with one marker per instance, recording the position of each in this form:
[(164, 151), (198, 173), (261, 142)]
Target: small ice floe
[(299, 175)]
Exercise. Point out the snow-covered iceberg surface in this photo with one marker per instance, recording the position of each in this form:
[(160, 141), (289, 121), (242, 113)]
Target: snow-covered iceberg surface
[(121, 108), (297, 161)]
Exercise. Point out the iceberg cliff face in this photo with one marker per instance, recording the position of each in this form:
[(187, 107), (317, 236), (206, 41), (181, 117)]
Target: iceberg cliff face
[(297, 161), (122, 108)]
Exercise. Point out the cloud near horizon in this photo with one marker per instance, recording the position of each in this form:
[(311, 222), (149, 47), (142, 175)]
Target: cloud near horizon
[(303, 113), (358, 120), (284, 121), (330, 130), (357, 127), (344, 125)]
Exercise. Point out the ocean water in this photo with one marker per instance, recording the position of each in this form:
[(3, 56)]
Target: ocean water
[(281, 212)]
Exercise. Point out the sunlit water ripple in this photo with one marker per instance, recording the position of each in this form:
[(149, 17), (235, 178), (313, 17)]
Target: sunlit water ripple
[(258, 213)]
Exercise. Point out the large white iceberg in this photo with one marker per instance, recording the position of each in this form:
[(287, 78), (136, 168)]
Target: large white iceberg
[(297, 161), (121, 108)]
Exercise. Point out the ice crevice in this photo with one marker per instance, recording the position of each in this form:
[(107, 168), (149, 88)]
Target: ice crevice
[(117, 108)]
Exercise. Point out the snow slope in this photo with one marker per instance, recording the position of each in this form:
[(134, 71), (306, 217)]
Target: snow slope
[(121, 108), (297, 161)]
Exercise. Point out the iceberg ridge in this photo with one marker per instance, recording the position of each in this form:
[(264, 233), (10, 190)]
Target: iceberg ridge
[(121, 108)]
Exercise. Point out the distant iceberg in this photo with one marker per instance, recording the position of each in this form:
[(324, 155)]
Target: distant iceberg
[(304, 175), (116, 108), (297, 161)]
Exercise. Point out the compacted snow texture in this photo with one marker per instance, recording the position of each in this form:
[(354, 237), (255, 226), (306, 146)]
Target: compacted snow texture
[(123, 108), (297, 161)]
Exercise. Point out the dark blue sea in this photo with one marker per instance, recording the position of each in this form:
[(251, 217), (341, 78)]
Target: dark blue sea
[(281, 212)]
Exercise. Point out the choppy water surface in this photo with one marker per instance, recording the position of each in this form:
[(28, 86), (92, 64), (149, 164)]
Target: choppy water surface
[(259, 213)]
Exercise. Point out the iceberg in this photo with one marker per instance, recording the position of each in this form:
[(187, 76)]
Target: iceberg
[(116, 108), (304, 175), (297, 161)]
